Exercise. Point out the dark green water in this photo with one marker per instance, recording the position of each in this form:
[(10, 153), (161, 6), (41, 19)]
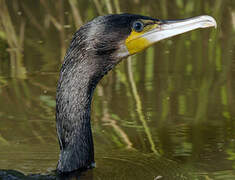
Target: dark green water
[(166, 113)]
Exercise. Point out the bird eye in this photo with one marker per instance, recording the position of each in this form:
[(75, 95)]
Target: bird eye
[(138, 26)]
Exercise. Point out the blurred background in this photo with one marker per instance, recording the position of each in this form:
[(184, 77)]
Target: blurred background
[(165, 112)]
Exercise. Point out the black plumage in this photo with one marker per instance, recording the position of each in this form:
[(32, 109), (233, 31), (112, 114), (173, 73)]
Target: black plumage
[(91, 54)]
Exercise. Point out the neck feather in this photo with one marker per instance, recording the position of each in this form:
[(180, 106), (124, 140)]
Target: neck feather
[(84, 65), (73, 101)]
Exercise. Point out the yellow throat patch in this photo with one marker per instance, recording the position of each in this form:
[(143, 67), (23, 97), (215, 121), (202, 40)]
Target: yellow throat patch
[(135, 42)]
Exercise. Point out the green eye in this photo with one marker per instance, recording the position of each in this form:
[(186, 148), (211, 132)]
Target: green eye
[(138, 26)]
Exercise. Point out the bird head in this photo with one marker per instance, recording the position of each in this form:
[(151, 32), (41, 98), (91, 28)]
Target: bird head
[(121, 35), (109, 39)]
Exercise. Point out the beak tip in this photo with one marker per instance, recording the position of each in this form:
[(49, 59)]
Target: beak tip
[(208, 21)]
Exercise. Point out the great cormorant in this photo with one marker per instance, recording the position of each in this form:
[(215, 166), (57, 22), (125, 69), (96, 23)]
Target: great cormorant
[(94, 50)]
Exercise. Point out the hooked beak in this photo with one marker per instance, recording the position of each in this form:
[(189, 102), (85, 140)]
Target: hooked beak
[(169, 28), (163, 29)]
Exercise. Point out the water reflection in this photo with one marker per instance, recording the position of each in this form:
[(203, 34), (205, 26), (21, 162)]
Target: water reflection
[(166, 112)]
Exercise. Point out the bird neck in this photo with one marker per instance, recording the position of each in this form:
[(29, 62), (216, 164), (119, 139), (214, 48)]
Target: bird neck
[(84, 65), (73, 105)]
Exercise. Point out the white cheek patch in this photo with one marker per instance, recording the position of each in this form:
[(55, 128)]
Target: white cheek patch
[(122, 51)]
